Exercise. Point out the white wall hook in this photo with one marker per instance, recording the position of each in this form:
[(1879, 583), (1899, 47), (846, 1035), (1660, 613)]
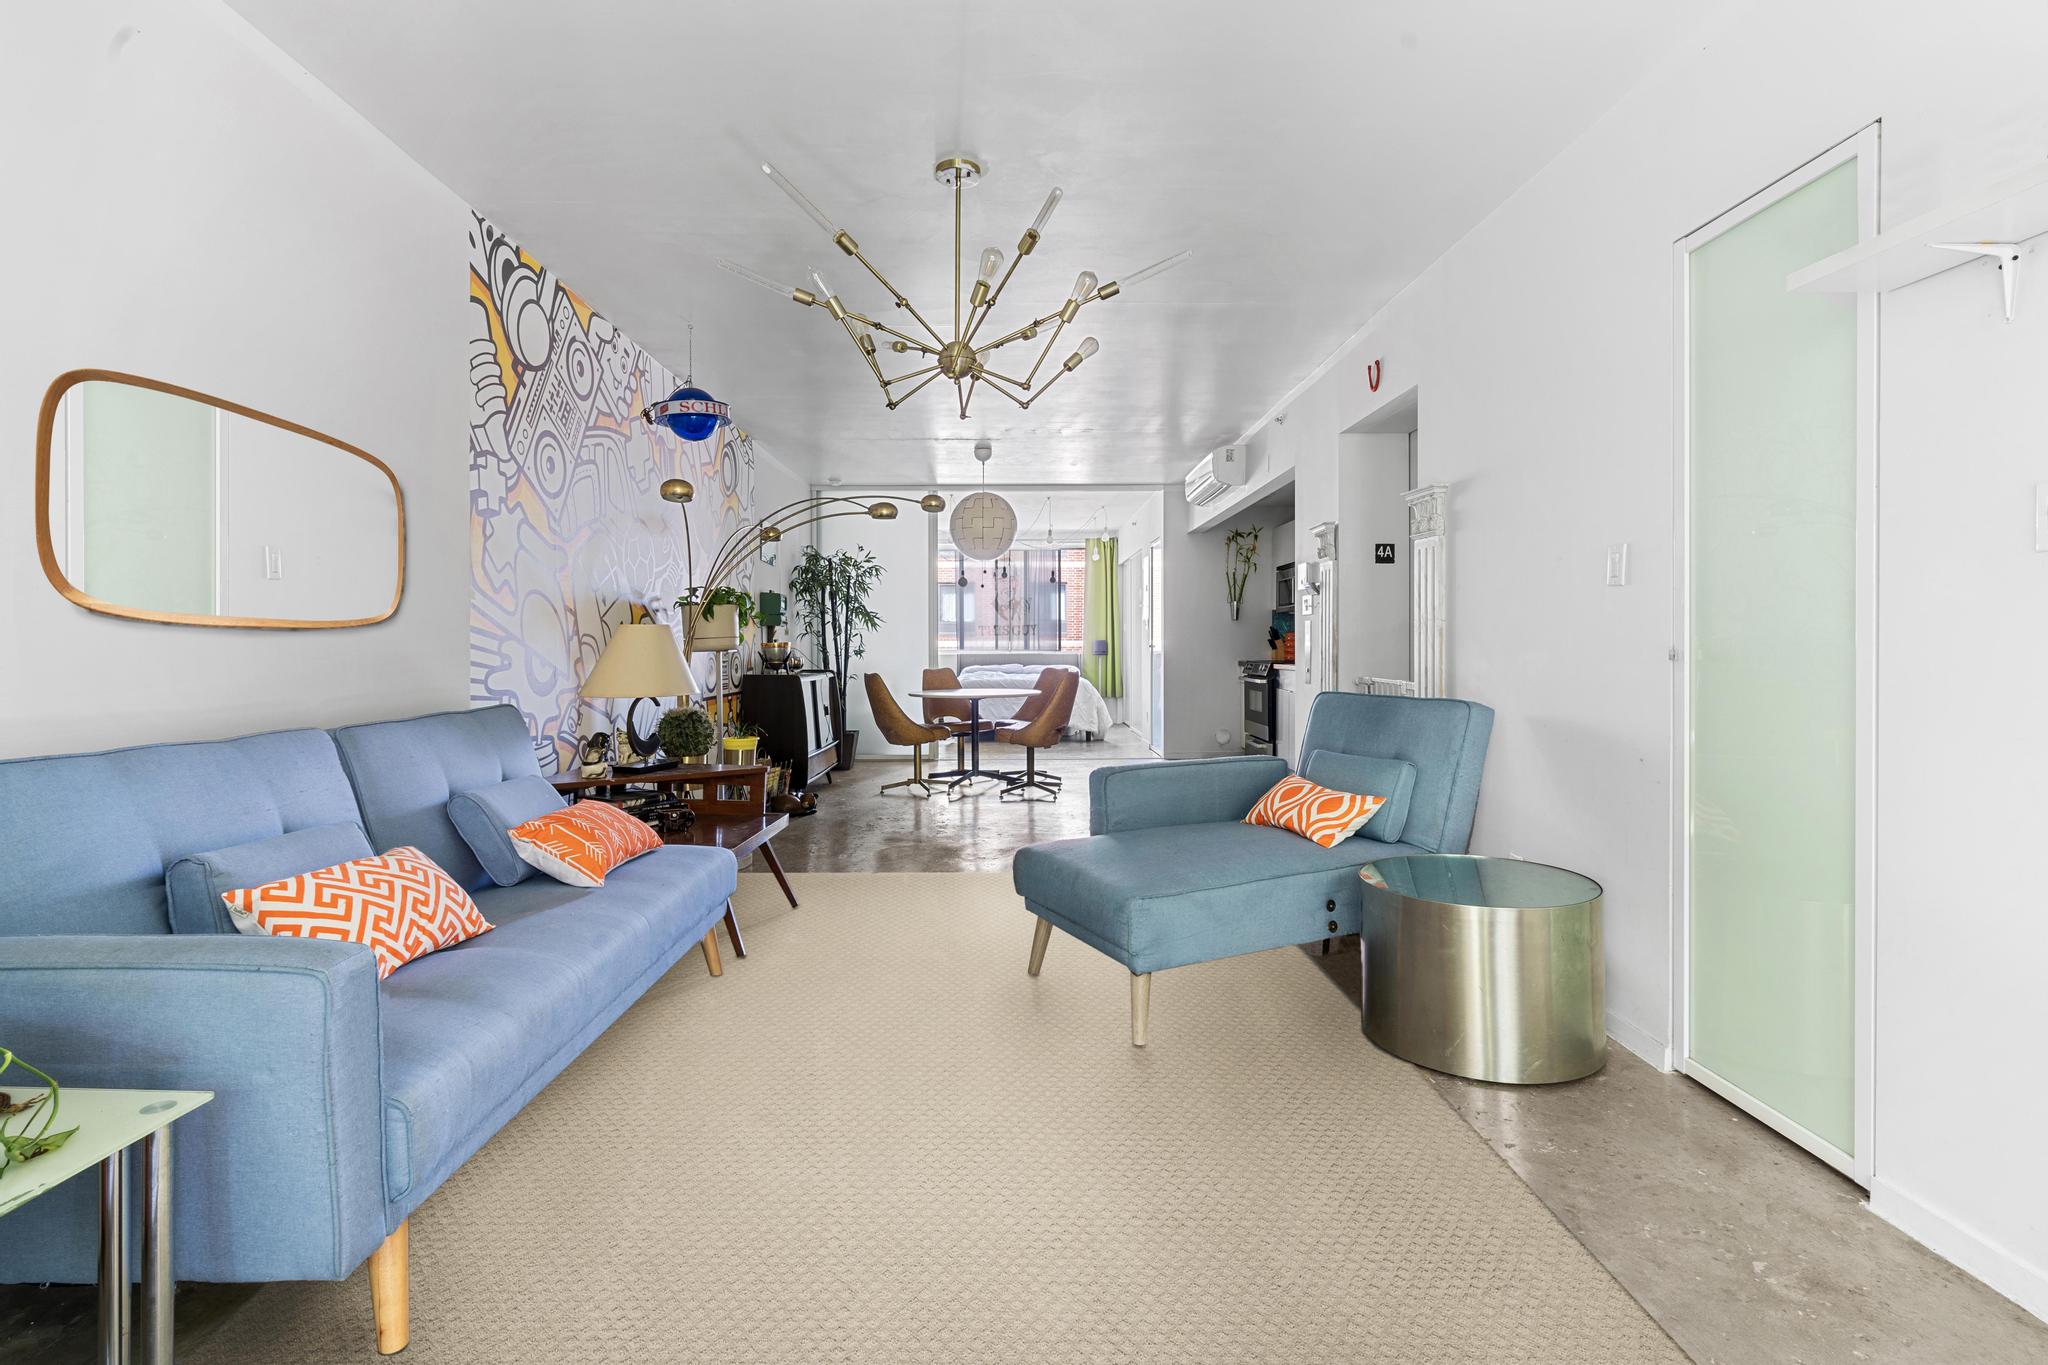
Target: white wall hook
[(2007, 255)]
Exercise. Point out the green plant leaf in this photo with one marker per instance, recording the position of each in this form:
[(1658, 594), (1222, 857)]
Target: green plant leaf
[(26, 1148)]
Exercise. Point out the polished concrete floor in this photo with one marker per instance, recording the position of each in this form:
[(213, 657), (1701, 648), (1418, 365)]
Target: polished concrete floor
[(856, 829), (1746, 1250)]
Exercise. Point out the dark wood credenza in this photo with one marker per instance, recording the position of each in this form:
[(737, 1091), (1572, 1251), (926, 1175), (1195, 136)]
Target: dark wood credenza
[(799, 722)]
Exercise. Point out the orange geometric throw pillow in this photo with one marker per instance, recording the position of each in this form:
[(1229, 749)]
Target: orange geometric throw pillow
[(1301, 807), (578, 844), (400, 903)]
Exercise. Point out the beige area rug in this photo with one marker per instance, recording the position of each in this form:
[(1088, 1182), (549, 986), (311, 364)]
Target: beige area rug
[(877, 1140)]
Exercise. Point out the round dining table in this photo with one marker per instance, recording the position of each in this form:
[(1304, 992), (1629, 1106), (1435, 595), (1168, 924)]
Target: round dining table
[(974, 697)]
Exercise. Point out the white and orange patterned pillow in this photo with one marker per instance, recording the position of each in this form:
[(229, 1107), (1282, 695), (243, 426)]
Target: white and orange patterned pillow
[(579, 844), (1301, 807), (400, 903)]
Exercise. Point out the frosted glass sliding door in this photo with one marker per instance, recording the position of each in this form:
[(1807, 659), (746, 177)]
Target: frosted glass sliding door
[(1771, 710)]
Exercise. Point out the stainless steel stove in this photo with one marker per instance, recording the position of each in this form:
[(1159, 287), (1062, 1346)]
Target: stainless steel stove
[(1257, 682)]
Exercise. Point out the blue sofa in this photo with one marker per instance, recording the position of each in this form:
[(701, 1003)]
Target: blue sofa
[(1169, 873), (343, 1101)]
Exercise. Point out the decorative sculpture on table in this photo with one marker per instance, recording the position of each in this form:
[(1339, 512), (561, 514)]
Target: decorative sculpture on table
[(1241, 558), (594, 754)]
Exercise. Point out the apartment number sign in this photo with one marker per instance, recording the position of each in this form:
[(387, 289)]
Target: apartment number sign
[(1383, 552)]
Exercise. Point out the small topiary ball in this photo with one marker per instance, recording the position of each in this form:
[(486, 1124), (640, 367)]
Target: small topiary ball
[(684, 732)]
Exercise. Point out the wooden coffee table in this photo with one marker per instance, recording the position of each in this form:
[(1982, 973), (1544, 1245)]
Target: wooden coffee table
[(732, 813)]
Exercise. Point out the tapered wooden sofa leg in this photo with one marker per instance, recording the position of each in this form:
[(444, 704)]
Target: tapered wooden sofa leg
[(1141, 1007), (711, 953), (389, 1293), (1040, 936)]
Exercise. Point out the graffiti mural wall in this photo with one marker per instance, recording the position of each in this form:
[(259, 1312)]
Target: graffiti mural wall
[(568, 531)]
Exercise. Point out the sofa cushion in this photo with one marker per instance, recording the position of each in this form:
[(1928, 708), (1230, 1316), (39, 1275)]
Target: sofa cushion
[(404, 771), (582, 843), (485, 817), (197, 881), (1323, 815), (1168, 896), (1392, 778), (398, 902), (90, 836), (472, 1032)]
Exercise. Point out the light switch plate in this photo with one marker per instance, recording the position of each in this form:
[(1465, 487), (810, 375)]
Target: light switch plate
[(1617, 565), (2041, 516), (273, 562)]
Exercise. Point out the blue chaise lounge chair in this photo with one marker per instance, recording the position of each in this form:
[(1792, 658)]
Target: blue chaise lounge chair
[(1169, 873)]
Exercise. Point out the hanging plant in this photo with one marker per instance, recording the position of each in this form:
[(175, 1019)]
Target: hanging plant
[(25, 1125), (1240, 558)]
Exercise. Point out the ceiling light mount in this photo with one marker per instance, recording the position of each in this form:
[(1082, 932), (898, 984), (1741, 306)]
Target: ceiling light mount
[(964, 361), (957, 172)]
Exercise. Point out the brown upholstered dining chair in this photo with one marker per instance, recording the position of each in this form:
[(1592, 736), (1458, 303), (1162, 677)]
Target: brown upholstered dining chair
[(951, 714), (936, 711), (1042, 732), (898, 728), (1044, 687)]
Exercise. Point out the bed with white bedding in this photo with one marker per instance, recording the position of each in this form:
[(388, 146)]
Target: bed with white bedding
[(1091, 712)]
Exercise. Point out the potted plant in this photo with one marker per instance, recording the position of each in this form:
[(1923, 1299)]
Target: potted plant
[(685, 734), (715, 619), (25, 1125), (1241, 557), (832, 609), (742, 742)]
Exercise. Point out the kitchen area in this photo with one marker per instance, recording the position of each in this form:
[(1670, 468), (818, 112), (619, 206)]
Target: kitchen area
[(1270, 700), (1326, 607)]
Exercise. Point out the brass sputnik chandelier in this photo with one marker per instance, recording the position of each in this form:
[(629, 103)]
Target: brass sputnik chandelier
[(968, 362)]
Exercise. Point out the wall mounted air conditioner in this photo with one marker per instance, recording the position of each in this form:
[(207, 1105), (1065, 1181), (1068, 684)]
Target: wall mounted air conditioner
[(1219, 470)]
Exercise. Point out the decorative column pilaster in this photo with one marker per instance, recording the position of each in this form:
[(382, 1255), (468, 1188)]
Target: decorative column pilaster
[(1429, 555)]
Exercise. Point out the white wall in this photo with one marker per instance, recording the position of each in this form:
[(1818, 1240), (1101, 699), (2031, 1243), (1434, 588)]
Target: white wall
[(1962, 938), (776, 485), (1203, 644), (1372, 598), (191, 207), (1542, 347), (902, 648)]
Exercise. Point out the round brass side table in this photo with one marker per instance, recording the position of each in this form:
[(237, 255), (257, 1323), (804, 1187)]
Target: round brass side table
[(1487, 968)]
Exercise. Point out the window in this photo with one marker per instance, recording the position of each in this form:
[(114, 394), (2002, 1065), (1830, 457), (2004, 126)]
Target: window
[(1028, 599)]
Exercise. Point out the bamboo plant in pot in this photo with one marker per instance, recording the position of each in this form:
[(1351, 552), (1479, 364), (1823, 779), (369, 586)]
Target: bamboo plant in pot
[(1241, 558), (833, 610)]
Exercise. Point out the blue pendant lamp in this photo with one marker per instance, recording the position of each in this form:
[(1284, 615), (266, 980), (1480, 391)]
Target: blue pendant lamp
[(690, 412)]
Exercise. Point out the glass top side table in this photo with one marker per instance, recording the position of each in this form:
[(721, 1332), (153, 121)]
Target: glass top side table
[(1488, 968), (109, 1122)]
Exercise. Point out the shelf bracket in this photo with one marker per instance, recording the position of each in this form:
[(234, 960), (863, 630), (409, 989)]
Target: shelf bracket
[(2006, 253)]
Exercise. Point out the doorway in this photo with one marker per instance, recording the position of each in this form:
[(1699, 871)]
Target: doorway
[(1773, 735)]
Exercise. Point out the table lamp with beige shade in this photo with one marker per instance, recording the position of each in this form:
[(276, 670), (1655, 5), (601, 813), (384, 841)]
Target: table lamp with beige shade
[(641, 661)]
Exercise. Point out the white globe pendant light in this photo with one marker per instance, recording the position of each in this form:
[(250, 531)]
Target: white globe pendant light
[(984, 525)]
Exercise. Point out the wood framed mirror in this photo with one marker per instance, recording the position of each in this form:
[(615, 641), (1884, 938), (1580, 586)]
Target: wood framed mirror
[(158, 503)]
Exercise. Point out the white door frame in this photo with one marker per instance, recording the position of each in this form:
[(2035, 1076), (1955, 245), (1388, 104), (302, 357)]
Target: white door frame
[(1863, 148)]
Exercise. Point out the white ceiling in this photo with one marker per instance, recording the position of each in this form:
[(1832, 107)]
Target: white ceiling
[(1315, 155)]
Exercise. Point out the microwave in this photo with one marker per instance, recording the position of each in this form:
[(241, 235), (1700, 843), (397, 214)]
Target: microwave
[(1283, 589)]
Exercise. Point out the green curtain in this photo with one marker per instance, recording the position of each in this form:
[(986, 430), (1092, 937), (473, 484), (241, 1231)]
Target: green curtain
[(1102, 642)]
